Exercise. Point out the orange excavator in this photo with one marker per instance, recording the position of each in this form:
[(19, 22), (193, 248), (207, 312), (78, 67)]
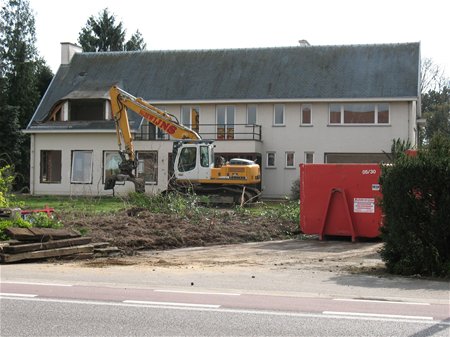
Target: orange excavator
[(194, 163)]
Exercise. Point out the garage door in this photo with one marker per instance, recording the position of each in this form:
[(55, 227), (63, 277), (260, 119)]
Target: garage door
[(337, 158)]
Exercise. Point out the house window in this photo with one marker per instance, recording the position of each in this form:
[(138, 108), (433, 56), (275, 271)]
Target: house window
[(149, 131), (86, 110), (306, 114), (383, 113), (111, 161), (225, 122), (335, 114), (278, 114), (270, 159), (190, 117), (81, 167), (148, 166), (309, 157), (359, 113), (290, 159), (50, 166), (251, 114)]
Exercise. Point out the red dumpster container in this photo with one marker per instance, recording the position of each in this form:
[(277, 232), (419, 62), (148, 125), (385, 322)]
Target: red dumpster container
[(340, 200)]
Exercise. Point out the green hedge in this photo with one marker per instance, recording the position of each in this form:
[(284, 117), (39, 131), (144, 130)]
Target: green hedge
[(416, 205)]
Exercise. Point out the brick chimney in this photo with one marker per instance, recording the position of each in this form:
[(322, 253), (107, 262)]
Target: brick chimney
[(67, 51)]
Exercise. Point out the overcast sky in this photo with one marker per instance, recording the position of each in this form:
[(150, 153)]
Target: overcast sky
[(211, 24)]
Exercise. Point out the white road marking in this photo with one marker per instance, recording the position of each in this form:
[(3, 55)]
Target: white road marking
[(379, 301), (233, 311), (363, 314), (38, 284), (175, 304), (17, 295), (195, 292)]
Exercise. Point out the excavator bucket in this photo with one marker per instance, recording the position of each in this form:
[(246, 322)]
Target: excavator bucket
[(139, 183), (110, 183)]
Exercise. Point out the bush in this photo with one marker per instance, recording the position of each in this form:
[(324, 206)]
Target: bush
[(170, 203), (416, 205), (295, 190), (6, 180)]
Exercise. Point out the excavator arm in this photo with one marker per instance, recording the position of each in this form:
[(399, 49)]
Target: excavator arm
[(121, 102)]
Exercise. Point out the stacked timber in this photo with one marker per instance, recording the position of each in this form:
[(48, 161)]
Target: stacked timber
[(43, 243)]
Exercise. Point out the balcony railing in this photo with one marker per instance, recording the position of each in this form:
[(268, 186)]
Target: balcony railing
[(206, 131)]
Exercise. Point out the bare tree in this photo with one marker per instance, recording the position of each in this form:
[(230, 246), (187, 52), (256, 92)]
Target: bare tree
[(432, 77)]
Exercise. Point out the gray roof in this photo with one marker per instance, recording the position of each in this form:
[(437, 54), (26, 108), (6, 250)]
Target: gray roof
[(313, 72)]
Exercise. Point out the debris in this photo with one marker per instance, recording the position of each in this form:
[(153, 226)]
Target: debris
[(42, 243), (30, 247), (7, 258)]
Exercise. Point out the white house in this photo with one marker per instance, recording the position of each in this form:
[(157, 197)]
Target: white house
[(278, 106)]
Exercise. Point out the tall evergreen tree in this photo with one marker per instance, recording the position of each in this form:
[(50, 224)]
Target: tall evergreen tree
[(23, 78), (436, 108), (102, 33), (136, 42)]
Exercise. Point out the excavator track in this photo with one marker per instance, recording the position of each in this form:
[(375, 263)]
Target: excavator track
[(223, 194)]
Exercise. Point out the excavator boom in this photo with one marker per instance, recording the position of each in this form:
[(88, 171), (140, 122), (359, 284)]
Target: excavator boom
[(120, 100)]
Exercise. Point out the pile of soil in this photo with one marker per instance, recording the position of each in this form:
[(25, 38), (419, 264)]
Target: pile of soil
[(138, 229)]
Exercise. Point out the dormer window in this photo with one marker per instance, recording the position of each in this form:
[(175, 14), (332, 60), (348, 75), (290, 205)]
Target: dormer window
[(87, 110)]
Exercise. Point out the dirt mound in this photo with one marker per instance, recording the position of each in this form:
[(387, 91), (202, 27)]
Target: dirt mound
[(138, 229)]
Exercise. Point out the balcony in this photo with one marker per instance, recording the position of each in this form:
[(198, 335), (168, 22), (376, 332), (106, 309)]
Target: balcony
[(218, 132)]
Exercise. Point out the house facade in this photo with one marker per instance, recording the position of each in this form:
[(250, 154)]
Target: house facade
[(278, 106)]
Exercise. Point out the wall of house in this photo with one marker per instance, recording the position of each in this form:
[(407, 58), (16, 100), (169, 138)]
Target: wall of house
[(319, 138), (98, 143)]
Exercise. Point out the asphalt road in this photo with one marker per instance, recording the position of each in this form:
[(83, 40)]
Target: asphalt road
[(97, 310), (205, 299), (50, 317)]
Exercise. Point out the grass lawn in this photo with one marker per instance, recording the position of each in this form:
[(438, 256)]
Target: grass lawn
[(87, 205), (110, 205)]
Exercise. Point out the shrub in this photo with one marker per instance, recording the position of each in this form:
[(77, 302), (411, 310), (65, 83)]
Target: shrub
[(42, 220), (295, 190), (416, 205), (169, 203), (6, 180)]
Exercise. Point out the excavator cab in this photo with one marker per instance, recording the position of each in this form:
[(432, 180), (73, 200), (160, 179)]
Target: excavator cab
[(193, 159)]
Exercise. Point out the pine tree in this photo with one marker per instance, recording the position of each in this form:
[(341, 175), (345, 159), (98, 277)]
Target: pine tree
[(102, 33), (23, 78)]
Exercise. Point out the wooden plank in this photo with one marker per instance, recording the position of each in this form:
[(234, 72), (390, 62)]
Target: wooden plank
[(100, 244), (31, 247), (108, 251), (40, 234), (19, 233), (76, 257), (42, 254), (54, 233)]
